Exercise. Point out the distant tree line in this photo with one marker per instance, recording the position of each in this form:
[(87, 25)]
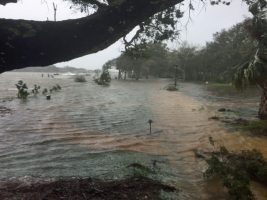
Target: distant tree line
[(216, 61)]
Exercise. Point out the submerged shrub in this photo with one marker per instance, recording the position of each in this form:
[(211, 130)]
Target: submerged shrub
[(36, 89), (58, 86), (104, 78), (171, 87), (80, 79), (55, 88), (45, 91), (22, 90)]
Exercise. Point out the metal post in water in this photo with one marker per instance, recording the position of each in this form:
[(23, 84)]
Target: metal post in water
[(150, 122)]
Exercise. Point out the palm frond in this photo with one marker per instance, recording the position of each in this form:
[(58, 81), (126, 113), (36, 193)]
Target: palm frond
[(240, 78)]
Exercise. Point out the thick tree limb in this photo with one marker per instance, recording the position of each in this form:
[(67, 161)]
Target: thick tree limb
[(4, 2), (31, 43), (92, 2)]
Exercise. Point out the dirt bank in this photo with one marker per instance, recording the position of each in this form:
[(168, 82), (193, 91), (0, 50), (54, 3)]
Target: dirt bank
[(132, 188)]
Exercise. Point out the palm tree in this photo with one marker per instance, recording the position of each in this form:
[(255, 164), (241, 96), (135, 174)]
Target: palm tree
[(254, 71)]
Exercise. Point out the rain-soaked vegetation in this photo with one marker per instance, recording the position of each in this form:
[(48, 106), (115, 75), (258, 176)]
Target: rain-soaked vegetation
[(185, 122)]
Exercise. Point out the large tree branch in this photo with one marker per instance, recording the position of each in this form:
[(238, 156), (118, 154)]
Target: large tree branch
[(31, 43), (99, 4), (4, 2), (92, 2)]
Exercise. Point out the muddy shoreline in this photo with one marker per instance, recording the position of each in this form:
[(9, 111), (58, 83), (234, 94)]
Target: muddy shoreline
[(131, 188)]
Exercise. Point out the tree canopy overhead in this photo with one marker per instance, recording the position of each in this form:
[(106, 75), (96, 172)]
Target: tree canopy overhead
[(35, 43), (4, 2), (216, 61)]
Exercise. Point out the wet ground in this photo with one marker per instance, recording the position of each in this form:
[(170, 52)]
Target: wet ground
[(93, 131)]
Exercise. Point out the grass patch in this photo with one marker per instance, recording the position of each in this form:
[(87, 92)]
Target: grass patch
[(224, 89), (131, 188), (256, 127)]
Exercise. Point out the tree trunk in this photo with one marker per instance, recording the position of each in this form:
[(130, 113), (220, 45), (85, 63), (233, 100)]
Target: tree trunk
[(26, 43), (263, 103), (119, 75)]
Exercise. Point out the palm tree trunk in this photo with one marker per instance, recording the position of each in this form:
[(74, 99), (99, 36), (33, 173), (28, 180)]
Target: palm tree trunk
[(263, 103)]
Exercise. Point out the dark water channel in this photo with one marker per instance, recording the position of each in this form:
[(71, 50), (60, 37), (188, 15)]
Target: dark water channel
[(89, 130)]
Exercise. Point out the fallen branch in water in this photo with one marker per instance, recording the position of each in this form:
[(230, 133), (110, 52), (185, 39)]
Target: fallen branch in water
[(235, 169)]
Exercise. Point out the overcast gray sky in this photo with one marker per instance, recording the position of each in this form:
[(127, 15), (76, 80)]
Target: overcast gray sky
[(205, 21)]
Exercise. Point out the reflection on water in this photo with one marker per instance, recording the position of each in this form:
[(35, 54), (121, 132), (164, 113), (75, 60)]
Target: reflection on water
[(89, 130)]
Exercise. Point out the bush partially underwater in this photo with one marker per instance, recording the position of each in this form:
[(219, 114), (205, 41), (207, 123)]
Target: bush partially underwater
[(236, 170), (104, 78), (80, 79)]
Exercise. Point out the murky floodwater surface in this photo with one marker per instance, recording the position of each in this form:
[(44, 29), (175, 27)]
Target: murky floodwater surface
[(89, 130)]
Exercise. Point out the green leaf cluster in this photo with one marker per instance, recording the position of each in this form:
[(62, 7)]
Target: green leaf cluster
[(236, 170)]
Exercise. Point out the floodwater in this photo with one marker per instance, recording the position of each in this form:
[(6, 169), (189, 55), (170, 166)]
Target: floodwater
[(90, 130)]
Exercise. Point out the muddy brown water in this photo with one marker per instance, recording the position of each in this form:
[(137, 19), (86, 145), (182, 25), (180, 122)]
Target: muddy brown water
[(89, 130)]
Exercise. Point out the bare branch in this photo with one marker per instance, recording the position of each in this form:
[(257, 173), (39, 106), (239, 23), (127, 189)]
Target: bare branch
[(55, 11)]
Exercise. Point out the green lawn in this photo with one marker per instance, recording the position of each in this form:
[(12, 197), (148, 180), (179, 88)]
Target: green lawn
[(224, 89)]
